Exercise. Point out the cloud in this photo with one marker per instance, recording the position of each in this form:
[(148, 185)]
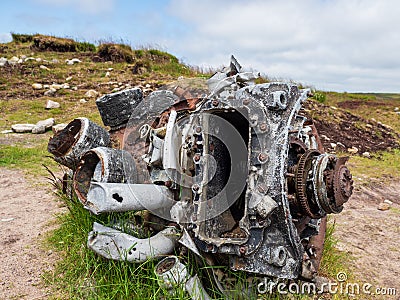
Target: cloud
[(343, 44), (5, 37), (92, 7)]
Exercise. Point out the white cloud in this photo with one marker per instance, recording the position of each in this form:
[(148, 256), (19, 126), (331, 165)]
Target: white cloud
[(85, 6), (5, 37), (339, 44)]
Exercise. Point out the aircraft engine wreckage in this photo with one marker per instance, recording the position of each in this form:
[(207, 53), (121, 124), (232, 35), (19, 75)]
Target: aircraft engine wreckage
[(236, 176)]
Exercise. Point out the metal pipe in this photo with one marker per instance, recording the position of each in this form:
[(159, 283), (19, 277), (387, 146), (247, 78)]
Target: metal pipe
[(120, 197), (117, 245), (79, 136), (173, 274), (103, 164)]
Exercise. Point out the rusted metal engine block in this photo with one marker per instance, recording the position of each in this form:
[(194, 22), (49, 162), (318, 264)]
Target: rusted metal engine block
[(236, 175)]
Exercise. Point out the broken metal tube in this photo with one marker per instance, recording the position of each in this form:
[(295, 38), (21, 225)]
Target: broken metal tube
[(79, 136), (120, 197), (103, 164), (117, 245), (173, 274)]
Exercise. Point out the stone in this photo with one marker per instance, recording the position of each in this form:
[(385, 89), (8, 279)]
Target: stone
[(91, 94), (396, 109), (369, 126), (383, 206), (325, 137), (388, 201), (366, 154), (72, 61), (44, 68), (37, 86), (13, 60), (83, 100), (52, 104), (3, 61), (333, 145), (39, 129), (107, 74), (44, 125), (29, 59), (50, 92), (69, 78), (38, 59), (56, 86), (6, 131), (22, 128), (65, 86), (352, 150), (58, 127), (74, 88)]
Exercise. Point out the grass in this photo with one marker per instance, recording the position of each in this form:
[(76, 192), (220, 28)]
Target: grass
[(383, 167), (27, 156)]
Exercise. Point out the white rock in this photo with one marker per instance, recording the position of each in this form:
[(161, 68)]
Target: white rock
[(22, 128), (69, 78), (388, 201), (58, 127), (366, 154), (352, 150), (6, 131), (3, 61), (396, 109), (38, 59), (56, 86), (44, 125), (83, 100), (44, 68), (148, 86), (13, 59), (325, 137), (369, 126), (72, 61), (333, 145), (65, 86), (37, 86), (383, 206), (107, 74), (50, 92), (74, 88), (117, 89), (46, 86), (110, 69), (29, 58), (91, 94), (52, 104)]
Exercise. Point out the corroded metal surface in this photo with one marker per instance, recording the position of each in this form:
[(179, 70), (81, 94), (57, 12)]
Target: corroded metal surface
[(237, 168)]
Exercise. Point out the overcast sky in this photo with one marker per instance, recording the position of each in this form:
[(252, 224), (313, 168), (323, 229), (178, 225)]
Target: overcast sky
[(338, 45)]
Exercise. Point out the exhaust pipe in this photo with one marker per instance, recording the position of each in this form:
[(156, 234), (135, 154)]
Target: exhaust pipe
[(119, 197), (117, 245), (103, 164), (79, 136), (173, 274)]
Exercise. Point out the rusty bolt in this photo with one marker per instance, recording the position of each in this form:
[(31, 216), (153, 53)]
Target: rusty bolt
[(242, 249), (263, 126), (263, 157), (246, 101), (196, 157)]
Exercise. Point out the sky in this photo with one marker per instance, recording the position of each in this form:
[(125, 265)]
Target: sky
[(331, 45)]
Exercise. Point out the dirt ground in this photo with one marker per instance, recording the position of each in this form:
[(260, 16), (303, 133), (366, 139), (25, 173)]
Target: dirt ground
[(26, 214), (370, 236)]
